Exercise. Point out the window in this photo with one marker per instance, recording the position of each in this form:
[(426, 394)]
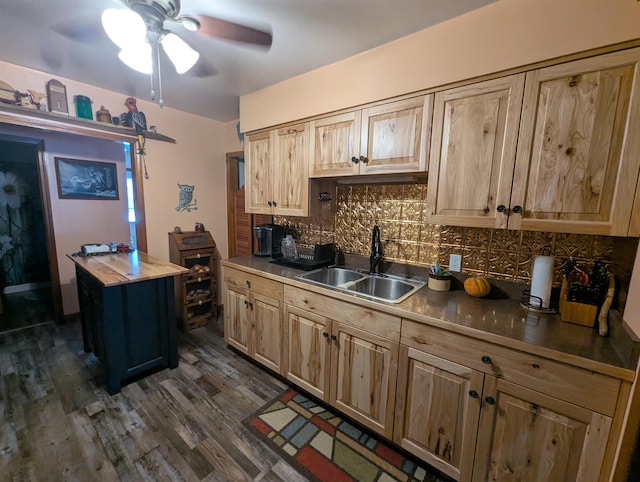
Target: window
[(131, 208)]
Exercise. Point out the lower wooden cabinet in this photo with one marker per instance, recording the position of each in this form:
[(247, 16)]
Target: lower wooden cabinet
[(474, 426), (473, 410), (253, 319), (437, 411), (527, 436), (351, 369)]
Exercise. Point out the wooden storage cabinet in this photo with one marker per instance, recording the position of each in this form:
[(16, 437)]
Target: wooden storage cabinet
[(381, 139), (555, 153), (277, 180), (351, 368), (524, 417), (473, 151), (196, 293), (253, 317)]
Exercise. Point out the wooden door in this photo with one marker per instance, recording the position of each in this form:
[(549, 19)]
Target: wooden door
[(526, 436), (437, 410), (395, 136), (473, 152), (291, 171), (259, 169), (266, 324), (334, 142), (236, 317), (308, 351), (578, 163), (363, 377)]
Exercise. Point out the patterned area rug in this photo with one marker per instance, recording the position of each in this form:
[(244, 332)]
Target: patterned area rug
[(325, 447)]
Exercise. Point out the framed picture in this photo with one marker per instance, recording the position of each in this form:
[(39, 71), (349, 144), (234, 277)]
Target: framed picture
[(79, 179)]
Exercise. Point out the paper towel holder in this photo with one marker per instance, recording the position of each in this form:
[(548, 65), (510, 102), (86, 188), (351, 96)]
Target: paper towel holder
[(534, 304)]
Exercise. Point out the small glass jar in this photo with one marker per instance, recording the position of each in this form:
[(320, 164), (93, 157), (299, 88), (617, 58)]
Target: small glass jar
[(83, 107)]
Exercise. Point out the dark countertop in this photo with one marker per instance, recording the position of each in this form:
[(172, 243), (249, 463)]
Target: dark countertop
[(496, 319)]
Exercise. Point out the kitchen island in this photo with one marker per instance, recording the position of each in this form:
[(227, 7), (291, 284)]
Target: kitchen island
[(127, 313)]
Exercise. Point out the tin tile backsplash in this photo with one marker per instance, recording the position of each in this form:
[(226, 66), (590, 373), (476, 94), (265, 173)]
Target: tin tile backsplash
[(399, 210)]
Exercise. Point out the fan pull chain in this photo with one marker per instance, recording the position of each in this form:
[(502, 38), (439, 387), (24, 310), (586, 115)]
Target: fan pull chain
[(160, 100)]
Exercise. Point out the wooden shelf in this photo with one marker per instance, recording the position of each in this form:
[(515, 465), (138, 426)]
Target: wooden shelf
[(16, 115)]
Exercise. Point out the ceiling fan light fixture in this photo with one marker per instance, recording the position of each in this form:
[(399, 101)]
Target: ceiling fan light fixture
[(189, 23), (138, 57), (124, 27), (179, 52)]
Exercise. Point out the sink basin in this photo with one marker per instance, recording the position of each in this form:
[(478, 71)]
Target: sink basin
[(387, 288)]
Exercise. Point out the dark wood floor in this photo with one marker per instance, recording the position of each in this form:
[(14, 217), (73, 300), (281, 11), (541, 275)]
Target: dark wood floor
[(58, 423), (25, 308)]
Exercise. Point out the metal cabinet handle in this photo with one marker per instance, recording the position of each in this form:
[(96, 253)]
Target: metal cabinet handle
[(355, 160), (502, 208), (473, 394), (516, 209), (269, 203), (275, 204), (325, 334), (490, 400), (248, 284), (334, 337), (364, 159), (486, 360)]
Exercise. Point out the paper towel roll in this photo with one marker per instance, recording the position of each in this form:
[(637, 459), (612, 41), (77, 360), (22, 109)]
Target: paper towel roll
[(541, 278)]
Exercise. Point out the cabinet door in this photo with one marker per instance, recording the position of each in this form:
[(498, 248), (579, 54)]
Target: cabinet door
[(308, 351), (363, 377), (291, 171), (578, 162), (473, 152), (530, 437), (266, 323), (437, 409), (259, 170), (395, 136), (334, 142), (236, 318)]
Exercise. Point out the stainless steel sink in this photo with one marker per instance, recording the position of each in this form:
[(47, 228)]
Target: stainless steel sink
[(391, 289), (333, 276)]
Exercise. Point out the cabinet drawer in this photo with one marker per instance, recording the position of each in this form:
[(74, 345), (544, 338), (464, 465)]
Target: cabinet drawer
[(257, 284), (576, 385), (375, 322)]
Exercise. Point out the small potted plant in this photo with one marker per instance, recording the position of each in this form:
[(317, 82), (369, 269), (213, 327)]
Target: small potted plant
[(439, 279)]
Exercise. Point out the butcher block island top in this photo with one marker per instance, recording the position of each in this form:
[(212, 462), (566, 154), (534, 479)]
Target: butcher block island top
[(120, 268)]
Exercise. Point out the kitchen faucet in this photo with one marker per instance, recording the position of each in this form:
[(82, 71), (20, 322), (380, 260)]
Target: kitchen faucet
[(376, 250)]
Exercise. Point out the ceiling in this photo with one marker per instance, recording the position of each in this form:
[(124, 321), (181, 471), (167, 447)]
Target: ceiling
[(307, 34)]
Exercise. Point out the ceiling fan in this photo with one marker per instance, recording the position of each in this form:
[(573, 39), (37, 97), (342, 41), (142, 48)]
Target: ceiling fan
[(143, 27)]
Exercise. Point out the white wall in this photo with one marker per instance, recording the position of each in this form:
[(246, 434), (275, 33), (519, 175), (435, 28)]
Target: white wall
[(502, 35), (197, 158)]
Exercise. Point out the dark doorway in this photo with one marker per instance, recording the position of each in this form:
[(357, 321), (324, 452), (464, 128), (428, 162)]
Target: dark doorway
[(25, 280)]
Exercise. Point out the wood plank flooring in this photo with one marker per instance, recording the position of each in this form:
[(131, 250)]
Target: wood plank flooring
[(59, 423)]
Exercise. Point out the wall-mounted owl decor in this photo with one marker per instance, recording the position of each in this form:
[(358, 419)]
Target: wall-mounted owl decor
[(187, 201)]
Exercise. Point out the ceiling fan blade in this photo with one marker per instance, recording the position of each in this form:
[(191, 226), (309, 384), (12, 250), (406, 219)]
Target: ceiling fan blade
[(82, 30), (218, 28)]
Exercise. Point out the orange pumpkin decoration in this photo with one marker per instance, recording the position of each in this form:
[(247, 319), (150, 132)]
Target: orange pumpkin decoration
[(477, 286)]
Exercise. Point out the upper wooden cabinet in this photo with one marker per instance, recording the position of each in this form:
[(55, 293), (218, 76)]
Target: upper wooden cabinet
[(277, 171), (473, 151), (576, 167), (382, 139)]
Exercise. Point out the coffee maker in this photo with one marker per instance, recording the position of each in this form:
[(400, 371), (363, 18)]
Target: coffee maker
[(268, 239)]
